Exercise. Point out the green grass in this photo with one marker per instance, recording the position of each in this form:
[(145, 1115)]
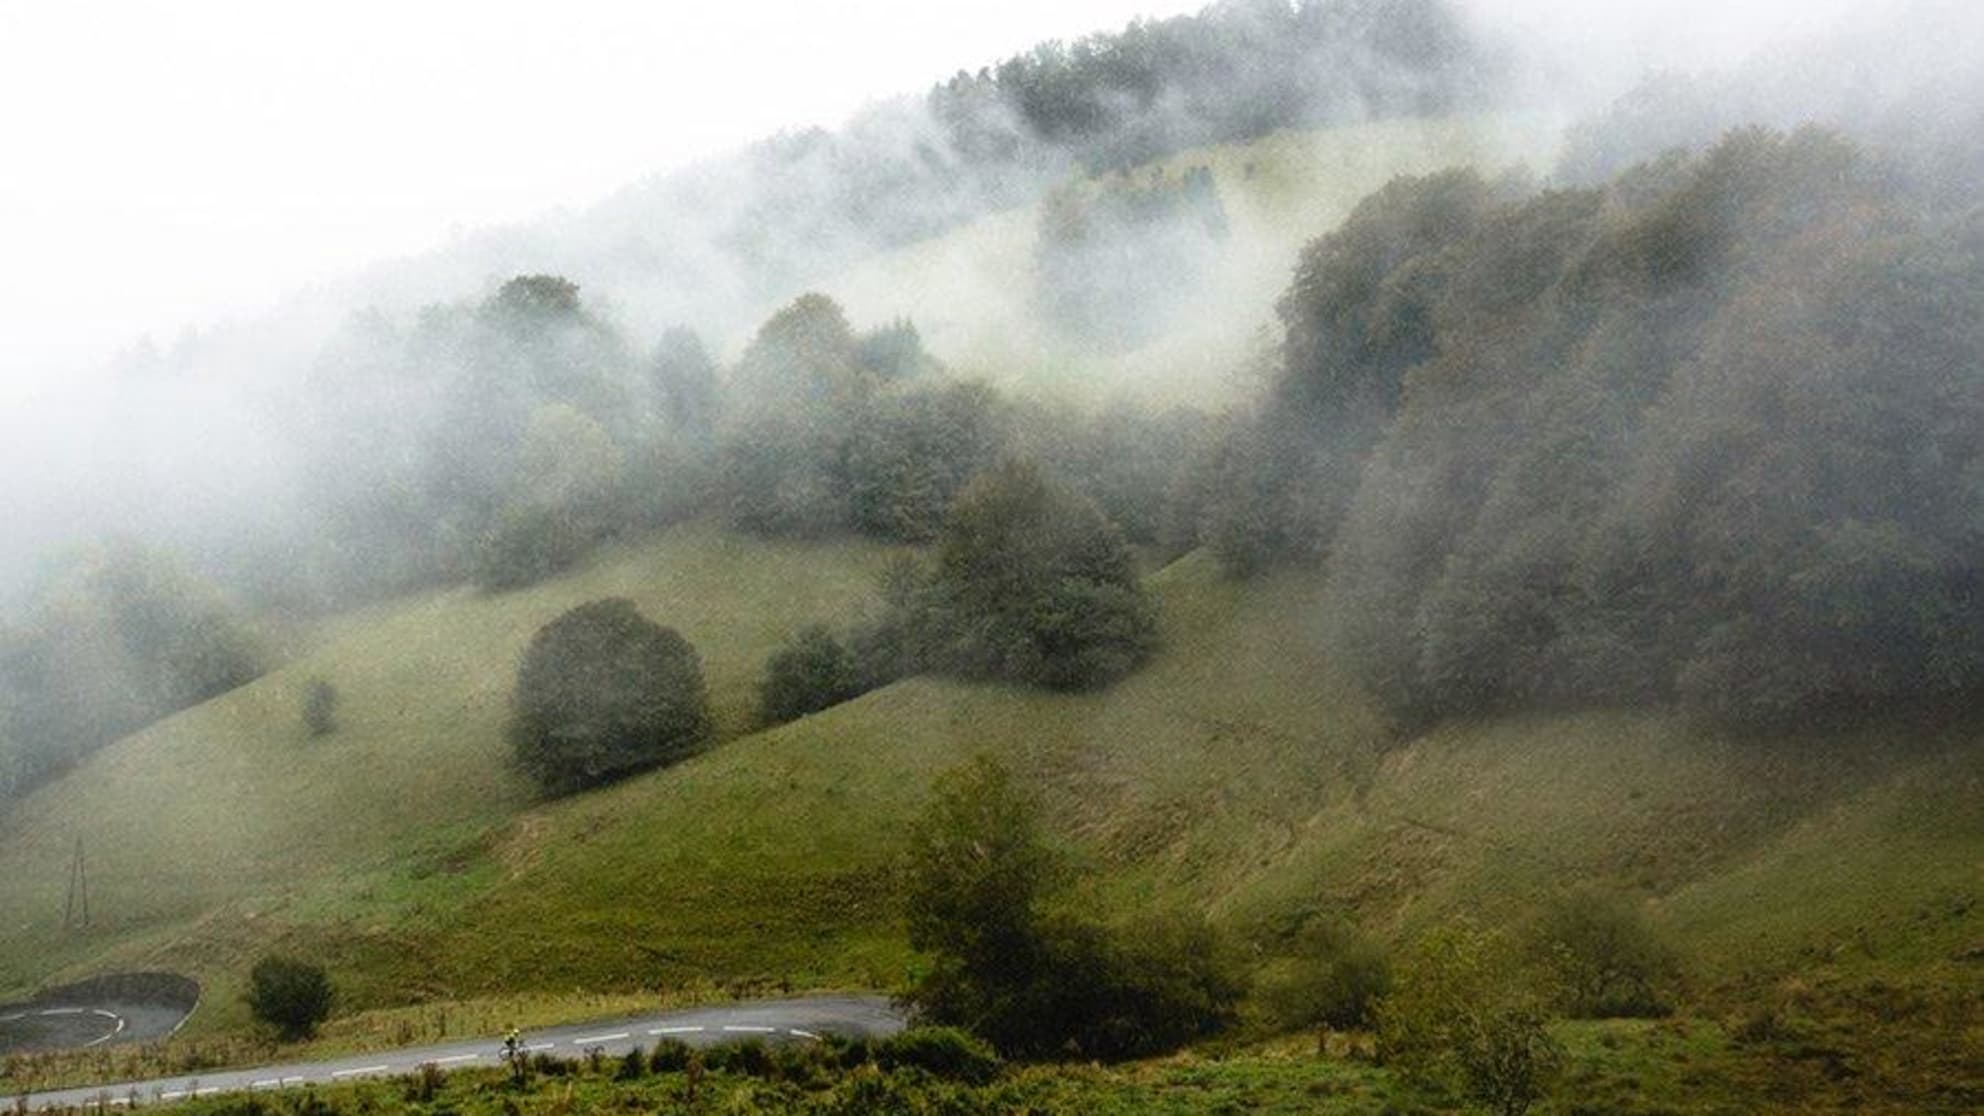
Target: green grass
[(214, 825), (1828, 878), (1239, 773)]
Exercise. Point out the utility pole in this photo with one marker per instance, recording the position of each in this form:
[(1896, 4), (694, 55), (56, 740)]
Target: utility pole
[(76, 912)]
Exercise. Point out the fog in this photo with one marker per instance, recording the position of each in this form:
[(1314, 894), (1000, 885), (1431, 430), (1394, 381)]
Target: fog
[(198, 201)]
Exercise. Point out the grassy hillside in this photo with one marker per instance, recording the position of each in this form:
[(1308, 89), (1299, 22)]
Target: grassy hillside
[(1237, 772), (230, 810)]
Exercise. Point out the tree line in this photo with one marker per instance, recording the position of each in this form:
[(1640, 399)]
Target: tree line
[(1708, 434)]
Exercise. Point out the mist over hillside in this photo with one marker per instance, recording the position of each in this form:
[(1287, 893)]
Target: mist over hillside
[(1414, 553)]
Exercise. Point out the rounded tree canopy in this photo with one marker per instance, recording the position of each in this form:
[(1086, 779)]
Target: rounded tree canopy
[(603, 692)]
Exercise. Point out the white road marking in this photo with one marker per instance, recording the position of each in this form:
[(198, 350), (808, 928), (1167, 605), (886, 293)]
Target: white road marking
[(536, 1046), (595, 1039), (456, 1058), (63, 1011), (113, 1034), (11, 1018), (802, 1034), (206, 1092), (360, 1071), (678, 1030), (269, 1083), (292, 1081), (171, 1096), (751, 1030)]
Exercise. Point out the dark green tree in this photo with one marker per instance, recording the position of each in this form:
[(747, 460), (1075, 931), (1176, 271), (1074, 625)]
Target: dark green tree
[(810, 673), (1032, 584), (320, 707), (291, 995), (1011, 961), (603, 692)]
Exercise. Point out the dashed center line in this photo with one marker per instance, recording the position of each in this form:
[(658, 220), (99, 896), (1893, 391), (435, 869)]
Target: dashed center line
[(678, 1030), (536, 1046), (360, 1071), (593, 1039), (802, 1034), (456, 1058), (750, 1030)]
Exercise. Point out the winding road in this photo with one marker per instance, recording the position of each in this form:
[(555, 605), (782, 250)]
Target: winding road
[(803, 1019)]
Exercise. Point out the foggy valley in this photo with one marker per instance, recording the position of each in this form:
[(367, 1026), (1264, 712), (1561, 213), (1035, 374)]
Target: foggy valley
[(1307, 555)]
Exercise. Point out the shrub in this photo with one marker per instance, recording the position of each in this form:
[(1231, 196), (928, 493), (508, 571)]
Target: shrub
[(1336, 979), (1163, 980), (1039, 981), (1606, 957), (290, 995), (633, 1066), (946, 1052), (808, 674), (528, 544), (1462, 1016), (670, 1056), (320, 707), (602, 692)]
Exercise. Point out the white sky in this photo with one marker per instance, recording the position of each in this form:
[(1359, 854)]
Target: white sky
[(168, 164), (163, 164)]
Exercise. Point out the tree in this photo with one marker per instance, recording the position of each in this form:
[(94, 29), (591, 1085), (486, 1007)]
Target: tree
[(1608, 960), (683, 377), (1036, 586), (603, 692), (1461, 1015), (1029, 973), (804, 353), (809, 674), (320, 707), (290, 995), (1336, 979)]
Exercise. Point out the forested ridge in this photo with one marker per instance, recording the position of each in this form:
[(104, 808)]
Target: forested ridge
[(1709, 433)]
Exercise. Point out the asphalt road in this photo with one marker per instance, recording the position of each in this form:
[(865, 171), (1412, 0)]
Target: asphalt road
[(78, 1026), (796, 1020)]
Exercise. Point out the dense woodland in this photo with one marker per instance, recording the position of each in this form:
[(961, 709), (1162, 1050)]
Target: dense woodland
[(1708, 433)]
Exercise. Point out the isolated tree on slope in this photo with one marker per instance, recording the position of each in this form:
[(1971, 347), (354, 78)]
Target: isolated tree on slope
[(604, 692)]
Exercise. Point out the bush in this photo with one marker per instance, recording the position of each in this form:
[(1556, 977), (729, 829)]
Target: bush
[(633, 1066), (808, 674), (670, 1056), (1606, 957), (1461, 1016), (947, 1052), (528, 544), (1163, 981), (1336, 980), (603, 692), (320, 707), (290, 995), (1038, 981)]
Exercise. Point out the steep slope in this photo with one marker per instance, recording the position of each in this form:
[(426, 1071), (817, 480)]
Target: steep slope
[(1238, 772), (232, 801)]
